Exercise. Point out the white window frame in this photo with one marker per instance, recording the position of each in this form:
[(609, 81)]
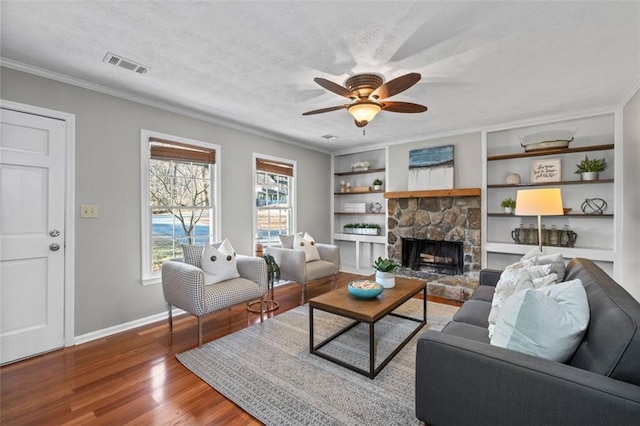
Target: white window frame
[(149, 276), (292, 192)]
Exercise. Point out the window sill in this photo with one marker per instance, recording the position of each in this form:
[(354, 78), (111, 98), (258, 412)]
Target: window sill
[(151, 280)]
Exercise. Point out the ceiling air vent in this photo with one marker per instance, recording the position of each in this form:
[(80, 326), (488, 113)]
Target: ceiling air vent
[(125, 63)]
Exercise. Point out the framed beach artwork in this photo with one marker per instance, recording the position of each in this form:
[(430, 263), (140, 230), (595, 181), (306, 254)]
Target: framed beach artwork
[(431, 168)]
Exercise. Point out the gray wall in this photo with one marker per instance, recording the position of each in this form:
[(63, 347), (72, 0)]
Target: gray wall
[(630, 232), (467, 152), (107, 266)]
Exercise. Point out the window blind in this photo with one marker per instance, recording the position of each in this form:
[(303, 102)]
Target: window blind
[(271, 166), (163, 149)]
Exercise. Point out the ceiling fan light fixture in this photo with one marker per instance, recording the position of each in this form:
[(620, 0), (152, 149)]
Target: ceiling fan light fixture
[(364, 112)]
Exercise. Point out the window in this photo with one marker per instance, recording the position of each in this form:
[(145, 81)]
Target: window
[(179, 198), (274, 199)]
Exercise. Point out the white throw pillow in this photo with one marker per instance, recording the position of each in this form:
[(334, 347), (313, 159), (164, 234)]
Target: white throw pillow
[(516, 278), (548, 322), (555, 260), (307, 244), (510, 282), (219, 264)]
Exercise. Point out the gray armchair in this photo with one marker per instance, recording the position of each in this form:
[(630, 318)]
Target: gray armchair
[(184, 287), (293, 265)]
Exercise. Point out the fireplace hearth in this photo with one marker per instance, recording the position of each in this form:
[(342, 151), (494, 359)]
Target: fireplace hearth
[(446, 257)]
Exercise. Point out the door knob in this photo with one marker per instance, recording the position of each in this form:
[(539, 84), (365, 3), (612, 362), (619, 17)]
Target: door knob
[(54, 247), (54, 233)]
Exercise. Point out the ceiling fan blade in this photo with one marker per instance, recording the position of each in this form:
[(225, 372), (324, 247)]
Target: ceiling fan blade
[(406, 107), (395, 86), (320, 111), (335, 88)]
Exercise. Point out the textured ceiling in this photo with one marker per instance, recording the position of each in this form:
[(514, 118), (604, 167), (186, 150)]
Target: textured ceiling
[(252, 64)]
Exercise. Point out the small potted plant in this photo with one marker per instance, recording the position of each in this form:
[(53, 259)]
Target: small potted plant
[(377, 185), (508, 204), (386, 272), (590, 169)]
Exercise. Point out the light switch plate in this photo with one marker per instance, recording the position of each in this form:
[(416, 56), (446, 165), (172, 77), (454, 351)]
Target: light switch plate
[(89, 211)]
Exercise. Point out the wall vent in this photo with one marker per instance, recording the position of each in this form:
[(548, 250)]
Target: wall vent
[(125, 63)]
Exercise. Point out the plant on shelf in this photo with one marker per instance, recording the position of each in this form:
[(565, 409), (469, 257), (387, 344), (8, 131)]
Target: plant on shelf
[(386, 272), (508, 204), (360, 166), (589, 169), (362, 228), (377, 184)]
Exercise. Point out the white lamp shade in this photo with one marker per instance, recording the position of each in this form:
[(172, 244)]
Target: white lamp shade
[(539, 202), (364, 111)]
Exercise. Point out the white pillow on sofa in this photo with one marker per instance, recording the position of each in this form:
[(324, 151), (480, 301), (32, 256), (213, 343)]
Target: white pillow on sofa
[(555, 260), (516, 278), (219, 264), (307, 244), (548, 322)]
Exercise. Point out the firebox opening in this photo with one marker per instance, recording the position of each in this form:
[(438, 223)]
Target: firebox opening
[(444, 256)]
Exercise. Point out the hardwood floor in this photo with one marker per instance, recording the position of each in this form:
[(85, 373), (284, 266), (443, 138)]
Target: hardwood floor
[(133, 377)]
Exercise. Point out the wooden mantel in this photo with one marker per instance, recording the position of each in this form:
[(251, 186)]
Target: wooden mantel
[(459, 192)]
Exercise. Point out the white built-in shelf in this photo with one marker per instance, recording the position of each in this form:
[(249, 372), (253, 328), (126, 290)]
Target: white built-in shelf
[(350, 213), (564, 182), (605, 255), (539, 153), (358, 193), (572, 215), (361, 172)]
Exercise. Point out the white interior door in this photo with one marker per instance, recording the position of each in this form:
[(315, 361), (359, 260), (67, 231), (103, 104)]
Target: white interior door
[(32, 222)]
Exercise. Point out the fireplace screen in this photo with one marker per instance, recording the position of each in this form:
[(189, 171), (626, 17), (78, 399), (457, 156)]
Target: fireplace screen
[(443, 256)]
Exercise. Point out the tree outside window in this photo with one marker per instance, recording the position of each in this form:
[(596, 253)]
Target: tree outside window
[(179, 193)]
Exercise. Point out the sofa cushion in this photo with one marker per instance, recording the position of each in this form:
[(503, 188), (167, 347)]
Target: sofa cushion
[(548, 322), (484, 293), (474, 312), (219, 263), (468, 331)]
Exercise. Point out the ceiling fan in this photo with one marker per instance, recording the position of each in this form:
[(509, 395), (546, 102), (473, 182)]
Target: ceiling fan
[(368, 91)]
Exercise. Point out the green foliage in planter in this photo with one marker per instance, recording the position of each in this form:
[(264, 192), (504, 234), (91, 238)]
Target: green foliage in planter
[(362, 225), (595, 165), (508, 202), (385, 265), (377, 182)]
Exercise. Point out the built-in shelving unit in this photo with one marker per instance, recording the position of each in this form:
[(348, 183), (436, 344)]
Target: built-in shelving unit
[(357, 251), (595, 137)]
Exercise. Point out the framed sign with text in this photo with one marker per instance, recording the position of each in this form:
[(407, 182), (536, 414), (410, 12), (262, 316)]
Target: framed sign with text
[(548, 170)]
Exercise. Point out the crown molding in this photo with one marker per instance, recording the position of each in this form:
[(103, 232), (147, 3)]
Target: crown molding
[(95, 87)]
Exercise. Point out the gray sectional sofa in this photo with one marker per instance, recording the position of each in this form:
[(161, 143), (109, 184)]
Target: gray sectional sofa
[(461, 379)]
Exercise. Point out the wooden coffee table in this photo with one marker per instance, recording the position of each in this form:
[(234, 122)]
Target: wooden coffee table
[(340, 302)]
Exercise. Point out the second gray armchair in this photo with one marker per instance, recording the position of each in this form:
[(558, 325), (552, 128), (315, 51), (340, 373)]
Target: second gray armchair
[(294, 267)]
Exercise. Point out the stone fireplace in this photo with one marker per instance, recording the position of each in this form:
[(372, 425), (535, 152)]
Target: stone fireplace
[(419, 220), (443, 256)]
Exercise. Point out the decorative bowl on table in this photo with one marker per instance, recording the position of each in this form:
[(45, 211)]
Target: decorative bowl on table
[(365, 289)]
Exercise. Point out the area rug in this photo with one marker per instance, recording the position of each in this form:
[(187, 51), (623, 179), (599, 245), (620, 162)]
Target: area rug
[(267, 369)]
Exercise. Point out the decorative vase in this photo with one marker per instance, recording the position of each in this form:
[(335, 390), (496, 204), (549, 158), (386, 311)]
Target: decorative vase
[(387, 279), (512, 179), (508, 210), (377, 187), (589, 175)]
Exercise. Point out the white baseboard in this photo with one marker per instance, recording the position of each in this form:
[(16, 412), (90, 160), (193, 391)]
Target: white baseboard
[(105, 332)]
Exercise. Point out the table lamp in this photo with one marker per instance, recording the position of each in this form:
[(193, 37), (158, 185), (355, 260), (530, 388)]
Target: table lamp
[(539, 202)]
